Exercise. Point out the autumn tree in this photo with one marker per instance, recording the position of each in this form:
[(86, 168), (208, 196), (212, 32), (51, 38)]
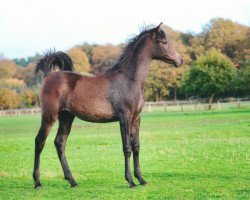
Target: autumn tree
[(9, 99), (103, 57), (209, 75), (163, 79), (80, 60), (88, 48), (12, 84), (157, 85), (29, 98), (7, 68), (27, 74), (224, 35)]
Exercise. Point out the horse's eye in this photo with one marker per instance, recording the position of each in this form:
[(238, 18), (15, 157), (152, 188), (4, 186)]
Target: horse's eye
[(162, 33), (164, 41)]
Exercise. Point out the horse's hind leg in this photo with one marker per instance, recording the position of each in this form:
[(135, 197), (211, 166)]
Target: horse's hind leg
[(47, 123), (65, 121)]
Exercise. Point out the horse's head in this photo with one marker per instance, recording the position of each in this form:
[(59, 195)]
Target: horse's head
[(163, 48)]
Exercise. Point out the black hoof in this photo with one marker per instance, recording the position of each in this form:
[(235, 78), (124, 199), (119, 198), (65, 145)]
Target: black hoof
[(74, 185), (132, 184), (143, 182), (38, 186)]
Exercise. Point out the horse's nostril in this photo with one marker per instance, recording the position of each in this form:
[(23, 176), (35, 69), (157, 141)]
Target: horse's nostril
[(181, 61)]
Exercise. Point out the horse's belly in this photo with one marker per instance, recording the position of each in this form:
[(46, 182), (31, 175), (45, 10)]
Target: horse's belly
[(96, 117), (94, 111)]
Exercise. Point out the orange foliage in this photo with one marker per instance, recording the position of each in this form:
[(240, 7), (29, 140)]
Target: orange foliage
[(103, 57), (80, 60)]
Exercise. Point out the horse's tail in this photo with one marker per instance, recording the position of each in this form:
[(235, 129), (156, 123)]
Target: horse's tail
[(52, 60)]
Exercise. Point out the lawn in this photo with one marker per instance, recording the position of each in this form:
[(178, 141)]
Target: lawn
[(184, 155)]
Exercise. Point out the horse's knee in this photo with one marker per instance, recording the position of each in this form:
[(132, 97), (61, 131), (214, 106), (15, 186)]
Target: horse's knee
[(136, 149), (127, 151)]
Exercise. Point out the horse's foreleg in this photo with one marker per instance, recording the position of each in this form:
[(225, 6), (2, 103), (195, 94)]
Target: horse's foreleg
[(136, 148), (47, 123), (65, 121), (125, 126)]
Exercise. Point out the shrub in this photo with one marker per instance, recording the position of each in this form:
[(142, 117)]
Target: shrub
[(29, 98), (9, 99)]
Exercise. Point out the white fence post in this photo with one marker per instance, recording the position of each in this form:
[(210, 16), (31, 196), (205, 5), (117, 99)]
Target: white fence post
[(165, 106), (149, 107), (218, 102), (238, 105)]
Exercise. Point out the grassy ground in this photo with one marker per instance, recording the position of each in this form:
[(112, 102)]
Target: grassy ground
[(184, 155)]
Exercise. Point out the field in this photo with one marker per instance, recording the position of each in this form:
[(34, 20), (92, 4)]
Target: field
[(184, 155)]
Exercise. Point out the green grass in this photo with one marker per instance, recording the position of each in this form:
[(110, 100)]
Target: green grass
[(184, 155)]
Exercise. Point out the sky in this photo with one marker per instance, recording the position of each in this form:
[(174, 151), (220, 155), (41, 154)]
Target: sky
[(30, 26)]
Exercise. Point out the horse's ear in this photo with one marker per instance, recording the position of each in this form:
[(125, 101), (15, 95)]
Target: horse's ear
[(159, 26), (157, 30)]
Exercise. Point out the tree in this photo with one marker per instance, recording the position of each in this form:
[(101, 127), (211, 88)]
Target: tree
[(243, 46), (29, 98), (26, 61), (7, 68), (103, 57), (80, 60), (27, 74), (12, 84), (9, 99), (157, 86), (209, 75), (162, 79), (174, 77), (88, 48), (243, 78), (224, 35), (21, 62)]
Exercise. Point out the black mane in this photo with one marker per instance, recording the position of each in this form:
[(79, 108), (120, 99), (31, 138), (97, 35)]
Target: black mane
[(127, 57)]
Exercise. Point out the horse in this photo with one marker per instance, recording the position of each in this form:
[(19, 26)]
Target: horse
[(117, 95)]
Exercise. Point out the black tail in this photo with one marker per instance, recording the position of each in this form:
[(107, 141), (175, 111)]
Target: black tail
[(52, 60)]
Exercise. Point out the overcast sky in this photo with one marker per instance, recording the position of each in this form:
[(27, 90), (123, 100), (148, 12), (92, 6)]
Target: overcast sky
[(30, 26)]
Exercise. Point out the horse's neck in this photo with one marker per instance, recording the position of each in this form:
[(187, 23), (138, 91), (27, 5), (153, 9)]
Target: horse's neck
[(137, 70), (142, 67)]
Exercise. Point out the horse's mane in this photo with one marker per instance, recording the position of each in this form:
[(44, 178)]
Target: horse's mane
[(127, 57)]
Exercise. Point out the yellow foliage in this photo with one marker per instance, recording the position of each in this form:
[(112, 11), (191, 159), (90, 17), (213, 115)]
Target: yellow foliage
[(7, 69), (12, 83), (9, 99), (29, 98), (103, 57), (80, 60)]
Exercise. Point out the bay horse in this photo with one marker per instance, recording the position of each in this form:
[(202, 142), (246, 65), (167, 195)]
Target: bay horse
[(115, 95)]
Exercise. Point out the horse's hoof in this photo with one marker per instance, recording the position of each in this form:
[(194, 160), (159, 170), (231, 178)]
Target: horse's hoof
[(38, 186), (132, 184), (73, 185), (143, 182)]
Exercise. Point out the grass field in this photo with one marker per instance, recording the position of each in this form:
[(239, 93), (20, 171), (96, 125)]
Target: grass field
[(184, 155)]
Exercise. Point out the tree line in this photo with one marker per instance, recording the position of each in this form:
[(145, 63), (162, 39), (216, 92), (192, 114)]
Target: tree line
[(217, 64)]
